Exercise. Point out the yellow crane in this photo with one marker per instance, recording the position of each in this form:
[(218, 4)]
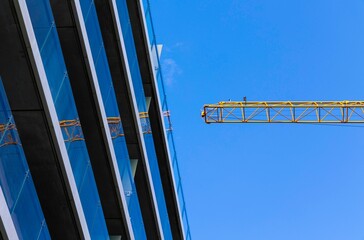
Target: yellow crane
[(284, 112)]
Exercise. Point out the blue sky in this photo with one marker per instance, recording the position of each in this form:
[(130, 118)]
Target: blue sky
[(266, 182)]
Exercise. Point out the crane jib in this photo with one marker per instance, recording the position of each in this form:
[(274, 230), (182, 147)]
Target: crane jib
[(284, 112)]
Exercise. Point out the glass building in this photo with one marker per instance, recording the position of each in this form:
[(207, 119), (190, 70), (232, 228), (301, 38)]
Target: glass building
[(86, 144)]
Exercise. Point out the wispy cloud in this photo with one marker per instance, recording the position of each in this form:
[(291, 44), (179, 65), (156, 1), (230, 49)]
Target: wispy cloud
[(170, 70), (176, 46)]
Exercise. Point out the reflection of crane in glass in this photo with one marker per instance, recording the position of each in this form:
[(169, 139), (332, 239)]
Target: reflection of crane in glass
[(72, 130), (284, 112), (9, 135)]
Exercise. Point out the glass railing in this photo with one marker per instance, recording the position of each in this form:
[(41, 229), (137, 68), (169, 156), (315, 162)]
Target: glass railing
[(51, 54), (168, 127), (113, 116), (142, 107), (16, 181), (158, 188)]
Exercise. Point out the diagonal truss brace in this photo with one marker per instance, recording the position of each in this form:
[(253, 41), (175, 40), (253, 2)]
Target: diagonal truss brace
[(284, 112)]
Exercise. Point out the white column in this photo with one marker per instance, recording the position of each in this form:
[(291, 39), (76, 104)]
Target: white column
[(7, 228)]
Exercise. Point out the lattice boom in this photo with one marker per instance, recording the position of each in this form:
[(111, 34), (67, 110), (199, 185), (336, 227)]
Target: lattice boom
[(285, 112)]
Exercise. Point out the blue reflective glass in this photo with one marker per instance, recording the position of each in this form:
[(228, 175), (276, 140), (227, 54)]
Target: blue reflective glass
[(157, 183), (142, 107), (113, 115), (44, 19), (16, 181), (162, 95), (129, 187), (131, 54), (55, 68), (106, 86), (76, 150), (92, 28)]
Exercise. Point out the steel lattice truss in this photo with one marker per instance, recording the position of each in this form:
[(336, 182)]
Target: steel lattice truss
[(9, 135), (284, 112), (72, 131)]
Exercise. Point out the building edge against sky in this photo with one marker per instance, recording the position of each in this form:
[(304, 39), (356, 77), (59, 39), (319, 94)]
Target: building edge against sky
[(86, 147)]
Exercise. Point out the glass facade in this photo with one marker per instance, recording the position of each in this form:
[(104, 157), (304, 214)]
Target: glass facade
[(113, 115), (16, 180), (142, 107), (15, 177), (167, 120), (55, 68)]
